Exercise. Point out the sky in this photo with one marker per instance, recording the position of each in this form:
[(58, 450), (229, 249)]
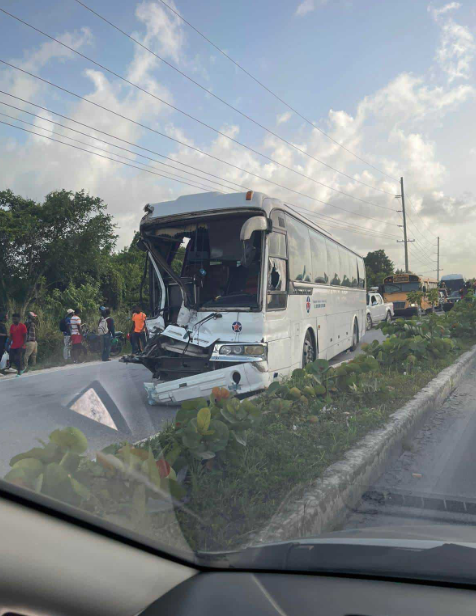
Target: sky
[(392, 83)]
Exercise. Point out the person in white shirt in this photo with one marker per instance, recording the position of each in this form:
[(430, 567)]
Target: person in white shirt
[(76, 336)]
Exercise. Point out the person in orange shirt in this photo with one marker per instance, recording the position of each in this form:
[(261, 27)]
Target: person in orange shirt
[(138, 330)]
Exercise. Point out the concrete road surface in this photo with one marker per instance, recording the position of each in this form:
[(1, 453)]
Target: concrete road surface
[(434, 479), (107, 401)]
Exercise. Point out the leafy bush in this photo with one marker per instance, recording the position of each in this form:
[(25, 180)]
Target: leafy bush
[(114, 485)]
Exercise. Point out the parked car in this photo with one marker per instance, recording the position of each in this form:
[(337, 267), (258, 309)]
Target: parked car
[(377, 309)]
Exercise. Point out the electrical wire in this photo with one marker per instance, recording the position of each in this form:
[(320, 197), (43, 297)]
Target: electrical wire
[(102, 141), (102, 156), (273, 94), (207, 188), (42, 79), (108, 135), (229, 105), (191, 117)]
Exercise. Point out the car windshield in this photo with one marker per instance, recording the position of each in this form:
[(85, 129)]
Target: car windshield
[(199, 204)]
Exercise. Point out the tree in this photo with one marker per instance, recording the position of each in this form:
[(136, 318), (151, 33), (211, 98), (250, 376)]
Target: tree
[(65, 240), (377, 267)]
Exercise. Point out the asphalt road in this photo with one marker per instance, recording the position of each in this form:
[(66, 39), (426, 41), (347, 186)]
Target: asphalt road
[(107, 401), (434, 479)]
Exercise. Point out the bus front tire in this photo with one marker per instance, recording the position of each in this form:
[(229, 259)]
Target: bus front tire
[(369, 322), (355, 336), (308, 349)]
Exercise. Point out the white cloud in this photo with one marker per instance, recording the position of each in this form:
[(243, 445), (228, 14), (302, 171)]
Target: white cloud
[(437, 12), (283, 117), (307, 6)]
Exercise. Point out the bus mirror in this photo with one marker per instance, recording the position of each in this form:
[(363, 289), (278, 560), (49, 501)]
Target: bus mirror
[(256, 223), (141, 245)]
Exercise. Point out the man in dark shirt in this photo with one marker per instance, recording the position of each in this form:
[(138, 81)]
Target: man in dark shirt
[(18, 337)]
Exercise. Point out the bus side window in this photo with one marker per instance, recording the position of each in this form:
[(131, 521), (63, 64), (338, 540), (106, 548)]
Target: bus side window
[(276, 288), (319, 258), (333, 263), (361, 267), (299, 247)]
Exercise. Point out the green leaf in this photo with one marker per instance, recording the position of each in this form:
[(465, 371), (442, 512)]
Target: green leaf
[(70, 461), (80, 489), (298, 373), (240, 437), (55, 476), (203, 419), (70, 438), (38, 484), (273, 387), (229, 416), (30, 466), (139, 500)]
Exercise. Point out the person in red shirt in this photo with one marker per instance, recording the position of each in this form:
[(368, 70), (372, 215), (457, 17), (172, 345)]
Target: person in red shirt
[(18, 333)]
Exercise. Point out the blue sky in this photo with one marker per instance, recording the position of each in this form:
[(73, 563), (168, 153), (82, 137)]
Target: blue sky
[(394, 82)]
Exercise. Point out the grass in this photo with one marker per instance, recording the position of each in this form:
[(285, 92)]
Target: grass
[(284, 455)]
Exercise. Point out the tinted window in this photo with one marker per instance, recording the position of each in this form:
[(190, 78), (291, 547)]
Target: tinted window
[(299, 250), (345, 268), (278, 219), (318, 258), (277, 245), (354, 270), (361, 266), (333, 263)]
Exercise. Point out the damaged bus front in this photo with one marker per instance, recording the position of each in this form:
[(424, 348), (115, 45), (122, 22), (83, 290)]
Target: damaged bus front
[(205, 327)]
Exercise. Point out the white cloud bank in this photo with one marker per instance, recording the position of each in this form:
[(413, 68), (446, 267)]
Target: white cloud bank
[(392, 128)]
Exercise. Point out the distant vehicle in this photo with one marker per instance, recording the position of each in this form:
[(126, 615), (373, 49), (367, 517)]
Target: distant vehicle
[(397, 286), (377, 309), (453, 299), (453, 282)]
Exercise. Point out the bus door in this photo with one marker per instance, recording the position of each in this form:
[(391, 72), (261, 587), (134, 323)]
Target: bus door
[(277, 323)]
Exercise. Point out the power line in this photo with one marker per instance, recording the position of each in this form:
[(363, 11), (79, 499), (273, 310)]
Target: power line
[(190, 146), (337, 223), (342, 222), (101, 155), (208, 188), (108, 135), (102, 141), (191, 117), (421, 219), (229, 105), (273, 94)]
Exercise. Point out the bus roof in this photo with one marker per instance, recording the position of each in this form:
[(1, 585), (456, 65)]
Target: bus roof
[(452, 277), (214, 201)]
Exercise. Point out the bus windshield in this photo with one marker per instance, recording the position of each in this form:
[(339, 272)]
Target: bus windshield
[(401, 287)]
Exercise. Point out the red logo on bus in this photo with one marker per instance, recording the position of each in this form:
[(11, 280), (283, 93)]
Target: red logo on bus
[(308, 304)]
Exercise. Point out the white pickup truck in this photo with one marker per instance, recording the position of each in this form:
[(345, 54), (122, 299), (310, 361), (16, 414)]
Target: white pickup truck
[(377, 309)]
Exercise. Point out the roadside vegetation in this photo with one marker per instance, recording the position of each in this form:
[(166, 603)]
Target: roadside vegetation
[(228, 465)]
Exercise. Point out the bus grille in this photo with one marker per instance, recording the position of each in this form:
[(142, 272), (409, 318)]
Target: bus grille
[(398, 305)]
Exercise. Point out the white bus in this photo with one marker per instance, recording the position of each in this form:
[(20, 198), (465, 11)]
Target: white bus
[(262, 291)]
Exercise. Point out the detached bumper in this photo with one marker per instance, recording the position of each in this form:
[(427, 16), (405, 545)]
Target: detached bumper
[(253, 377)]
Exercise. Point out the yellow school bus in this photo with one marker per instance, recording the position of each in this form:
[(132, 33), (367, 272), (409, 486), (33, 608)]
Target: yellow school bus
[(396, 287)]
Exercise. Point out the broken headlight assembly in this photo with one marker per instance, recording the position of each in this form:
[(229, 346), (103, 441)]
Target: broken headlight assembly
[(247, 352)]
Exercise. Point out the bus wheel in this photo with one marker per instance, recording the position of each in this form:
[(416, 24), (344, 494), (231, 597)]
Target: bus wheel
[(369, 322), (308, 350), (355, 336)]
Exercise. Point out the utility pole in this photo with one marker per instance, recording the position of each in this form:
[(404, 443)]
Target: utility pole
[(405, 239), (438, 259)]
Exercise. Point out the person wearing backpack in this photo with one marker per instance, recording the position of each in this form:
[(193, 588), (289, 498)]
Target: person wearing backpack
[(65, 328), (103, 332)]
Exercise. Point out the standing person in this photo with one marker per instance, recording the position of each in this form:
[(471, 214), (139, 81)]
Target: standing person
[(105, 336), (138, 330), (18, 337), (65, 328), (3, 337), (112, 331), (76, 337), (31, 344)]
